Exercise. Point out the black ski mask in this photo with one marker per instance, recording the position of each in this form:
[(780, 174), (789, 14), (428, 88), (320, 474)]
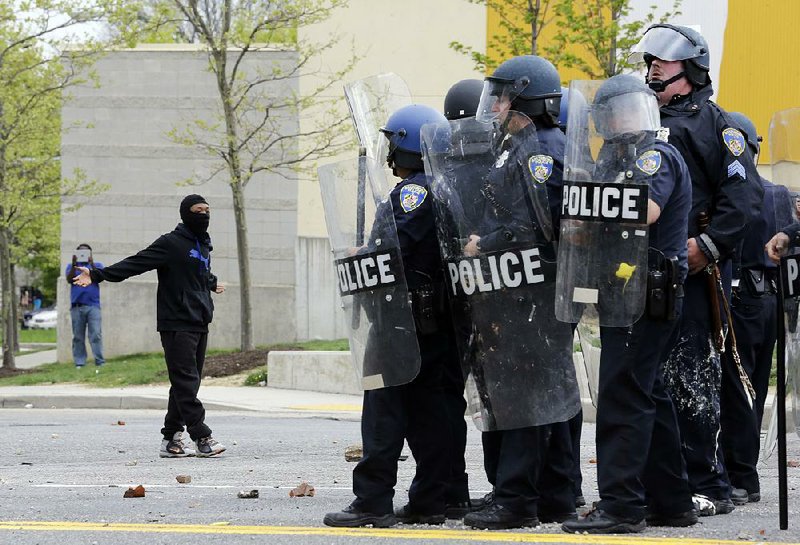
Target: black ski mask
[(195, 221)]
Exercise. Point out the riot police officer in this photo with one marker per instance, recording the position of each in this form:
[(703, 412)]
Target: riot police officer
[(527, 458), (460, 102), (415, 411), (638, 447), (753, 309), (726, 196)]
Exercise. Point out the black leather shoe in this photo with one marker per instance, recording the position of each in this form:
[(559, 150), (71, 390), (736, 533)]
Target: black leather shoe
[(456, 511), (484, 501), (600, 522), (677, 520), (754, 497), (546, 517), (407, 515), (350, 517), (739, 496), (497, 517)]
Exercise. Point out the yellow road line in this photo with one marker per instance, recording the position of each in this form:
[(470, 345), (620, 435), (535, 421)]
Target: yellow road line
[(222, 528)]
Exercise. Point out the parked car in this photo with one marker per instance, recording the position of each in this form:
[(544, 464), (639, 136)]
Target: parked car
[(45, 318)]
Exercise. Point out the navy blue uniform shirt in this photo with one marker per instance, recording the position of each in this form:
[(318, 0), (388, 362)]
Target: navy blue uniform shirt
[(725, 183), (412, 207), (552, 144)]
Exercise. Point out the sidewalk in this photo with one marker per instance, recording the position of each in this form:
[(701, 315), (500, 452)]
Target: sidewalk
[(273, 401)]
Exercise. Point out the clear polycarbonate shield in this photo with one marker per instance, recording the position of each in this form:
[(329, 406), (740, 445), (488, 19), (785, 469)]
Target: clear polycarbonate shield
[(602, 258), (371, 101), (369, 273), (497, 96), (784, 144), (664, 43), (488, 182)]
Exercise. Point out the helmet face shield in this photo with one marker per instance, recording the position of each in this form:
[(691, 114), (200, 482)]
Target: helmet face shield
[(666, 44), (497, 96), (625, 114)]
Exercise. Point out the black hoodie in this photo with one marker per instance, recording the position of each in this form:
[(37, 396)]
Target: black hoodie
[(185, 280)]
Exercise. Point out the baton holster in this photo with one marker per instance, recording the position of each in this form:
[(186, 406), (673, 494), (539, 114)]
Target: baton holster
[(663, 287)]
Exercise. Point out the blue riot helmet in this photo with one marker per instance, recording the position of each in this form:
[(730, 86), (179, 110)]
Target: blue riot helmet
[(675, 43), (462, 99), (743, 122), (563, 112), (624, 108), (403, 138), (528, 84)]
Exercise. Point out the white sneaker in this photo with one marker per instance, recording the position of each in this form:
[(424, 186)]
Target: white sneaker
[(176, 447), (208, 446)]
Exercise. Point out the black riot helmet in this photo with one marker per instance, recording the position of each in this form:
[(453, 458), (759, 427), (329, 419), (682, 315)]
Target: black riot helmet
[(462, 99), (743, 122), (624, 108), (675, 43), (529, 83)]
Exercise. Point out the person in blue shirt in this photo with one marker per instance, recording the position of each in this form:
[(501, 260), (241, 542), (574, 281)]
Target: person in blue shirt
[(639, 463), (85, 310)]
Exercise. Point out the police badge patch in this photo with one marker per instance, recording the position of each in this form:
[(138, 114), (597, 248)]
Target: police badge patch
[(412, 196), (541, 167), (735, 141), (649, 162)]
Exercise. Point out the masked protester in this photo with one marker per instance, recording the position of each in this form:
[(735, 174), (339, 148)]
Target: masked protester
[(182, 259)]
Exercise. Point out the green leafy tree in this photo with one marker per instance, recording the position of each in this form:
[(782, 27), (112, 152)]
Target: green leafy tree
[(521, 22), (250, 136), (604, 34), (45, 46)]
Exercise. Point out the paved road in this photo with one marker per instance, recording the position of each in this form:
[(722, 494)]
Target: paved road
[(63, 473)]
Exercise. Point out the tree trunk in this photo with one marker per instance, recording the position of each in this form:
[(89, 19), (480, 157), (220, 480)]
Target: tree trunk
[(6, 315), (243, 249), (534, 13), (14, 312)]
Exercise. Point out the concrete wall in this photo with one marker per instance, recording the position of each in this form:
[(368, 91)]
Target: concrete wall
[(122, 141)]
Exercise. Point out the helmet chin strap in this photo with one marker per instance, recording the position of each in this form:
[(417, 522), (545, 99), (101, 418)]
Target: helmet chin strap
[(660, 86)]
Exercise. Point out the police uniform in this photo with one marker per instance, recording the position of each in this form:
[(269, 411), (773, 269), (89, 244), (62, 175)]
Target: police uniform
[(638, 445), (754, 312), (530, 467), (416, 411), (726, 187)]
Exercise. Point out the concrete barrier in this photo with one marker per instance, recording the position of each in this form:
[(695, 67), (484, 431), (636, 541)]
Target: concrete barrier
[(317, 371)]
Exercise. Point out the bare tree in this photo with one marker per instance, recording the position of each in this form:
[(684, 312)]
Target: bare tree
[(251, 136)]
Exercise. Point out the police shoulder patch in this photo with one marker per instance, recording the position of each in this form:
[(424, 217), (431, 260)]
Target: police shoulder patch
[(734, 140), (541, 167), (649, 162), (412, 196)]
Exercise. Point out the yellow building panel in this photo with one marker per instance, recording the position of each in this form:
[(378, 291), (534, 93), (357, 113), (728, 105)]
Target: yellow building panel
[(760, 73)]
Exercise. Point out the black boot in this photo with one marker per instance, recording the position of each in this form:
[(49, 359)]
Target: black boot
[(676, 520), (600, 522), (407, 515), (350, 517), (497, 517)]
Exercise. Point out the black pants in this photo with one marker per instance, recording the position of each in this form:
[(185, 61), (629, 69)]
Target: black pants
[(575, 428), (416, 412), (639, 459), (692, 375), (185, 352), (456, 406), (755, 324), (531, 469)]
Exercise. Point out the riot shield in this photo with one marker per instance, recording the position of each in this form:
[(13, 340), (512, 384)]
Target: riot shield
[(371, 101), (495, 236), (784, 140), (589, 337), (603, 248), (369, 273)]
